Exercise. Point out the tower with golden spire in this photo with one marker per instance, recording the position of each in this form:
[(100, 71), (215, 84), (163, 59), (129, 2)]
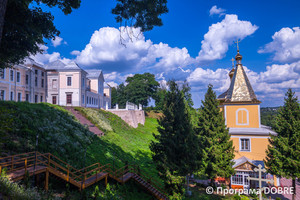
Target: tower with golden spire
[(241, 111)]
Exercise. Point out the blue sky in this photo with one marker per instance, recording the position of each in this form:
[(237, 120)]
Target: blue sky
[(195, 43)]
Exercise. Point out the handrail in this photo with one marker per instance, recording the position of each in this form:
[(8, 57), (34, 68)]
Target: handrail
[(77, 175)]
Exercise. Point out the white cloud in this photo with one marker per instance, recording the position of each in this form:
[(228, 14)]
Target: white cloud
[(45, 57), (285, 45), (75, 52), (57, 41), (106, 49), (220, 35), (216, 11)]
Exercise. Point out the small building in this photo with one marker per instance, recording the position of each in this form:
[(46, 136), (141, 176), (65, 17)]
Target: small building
[(241, 111)]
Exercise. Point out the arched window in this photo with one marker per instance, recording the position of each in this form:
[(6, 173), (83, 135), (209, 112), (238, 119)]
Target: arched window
[(242, 116)]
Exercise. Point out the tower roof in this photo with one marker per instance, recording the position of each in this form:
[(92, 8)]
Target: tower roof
[(240, 89)]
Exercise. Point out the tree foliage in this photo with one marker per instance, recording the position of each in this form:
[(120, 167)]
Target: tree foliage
[(26, 26), (140, 13), (173, 152), (139, 89), (216, 150), (283, 153)]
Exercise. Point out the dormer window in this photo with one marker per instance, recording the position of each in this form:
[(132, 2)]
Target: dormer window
[(242, 117)]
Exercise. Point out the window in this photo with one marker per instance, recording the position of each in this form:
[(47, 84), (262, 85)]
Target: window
[(11, 96), (242, 116), (2, 94), (53, 99), (245, 144), (36, 72), (35, 98), (2, 73), (54, 83), (69, 98), (87, 100), (237, 179), (19, 96), (11, 75), (27, 97), (36, 81), (42, 73), (82, 99), (27, 79), (18, 77), (42, 84), (69, 81), (41, 99), (82, 82)]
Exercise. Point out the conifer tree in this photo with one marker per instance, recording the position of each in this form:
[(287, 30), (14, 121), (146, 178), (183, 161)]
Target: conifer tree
[(215, 147), (174, 149), (283, 153)]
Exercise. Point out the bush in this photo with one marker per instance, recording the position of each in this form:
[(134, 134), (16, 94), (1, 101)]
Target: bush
[(237, 197), (278, 198), (18, 192)]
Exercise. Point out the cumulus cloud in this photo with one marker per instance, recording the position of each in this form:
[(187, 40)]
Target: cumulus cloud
[(216, 11), (45, 57), (57, 41), (220, 35), (285, 45), (269, 85), (75, 52), (127, 49)]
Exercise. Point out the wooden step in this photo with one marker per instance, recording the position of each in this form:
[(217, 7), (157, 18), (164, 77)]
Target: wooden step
[(20, 174)]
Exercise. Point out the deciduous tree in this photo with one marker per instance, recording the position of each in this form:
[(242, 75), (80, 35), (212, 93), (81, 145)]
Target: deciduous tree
[(140, 88), (283, 153)]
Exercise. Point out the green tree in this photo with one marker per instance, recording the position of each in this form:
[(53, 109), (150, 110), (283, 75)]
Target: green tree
[(173, 150), (283, 153), (118, 96), (140, 88), (144, 14), (24, 25), (216, 150), (159, 98)]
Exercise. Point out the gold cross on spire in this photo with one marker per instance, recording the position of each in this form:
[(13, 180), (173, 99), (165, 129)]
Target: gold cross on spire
[(237, 44), (232, 62)]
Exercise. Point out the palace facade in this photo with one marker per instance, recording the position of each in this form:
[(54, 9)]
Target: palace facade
[(55, 83), (241, 110)]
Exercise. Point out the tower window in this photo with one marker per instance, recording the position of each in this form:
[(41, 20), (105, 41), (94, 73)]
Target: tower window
[(245, 144), (242, 117)]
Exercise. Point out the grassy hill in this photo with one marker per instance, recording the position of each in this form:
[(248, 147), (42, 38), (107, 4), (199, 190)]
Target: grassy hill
[(62, 135)]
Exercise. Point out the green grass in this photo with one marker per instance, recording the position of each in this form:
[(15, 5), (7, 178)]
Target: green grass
[(123, 143), (62, 135)]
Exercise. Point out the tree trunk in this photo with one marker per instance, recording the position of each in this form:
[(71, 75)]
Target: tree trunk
[(2, 15), (294, 186)]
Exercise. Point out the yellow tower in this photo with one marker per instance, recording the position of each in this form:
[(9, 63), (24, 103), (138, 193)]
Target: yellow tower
[(242, 116)]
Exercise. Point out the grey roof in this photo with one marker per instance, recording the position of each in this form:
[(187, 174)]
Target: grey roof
[(93, 73), (59, 65), (55, 65), (30, 61), (262, 131), (244, 159)]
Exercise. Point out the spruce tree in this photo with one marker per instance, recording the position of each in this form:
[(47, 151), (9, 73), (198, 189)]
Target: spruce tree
[(174, 148), (216, 150), (283, 153)]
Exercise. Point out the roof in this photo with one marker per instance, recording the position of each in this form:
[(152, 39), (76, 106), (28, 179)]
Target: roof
[(262, 131), (59, 65), (244, 159), (93, 73), (30, 61), (240, 89)]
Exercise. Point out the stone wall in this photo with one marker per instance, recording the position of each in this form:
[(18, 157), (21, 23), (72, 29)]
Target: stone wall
[(131, 117)]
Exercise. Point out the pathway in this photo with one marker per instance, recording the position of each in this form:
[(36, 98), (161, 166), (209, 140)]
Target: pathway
[(85, 121), (288, 183)]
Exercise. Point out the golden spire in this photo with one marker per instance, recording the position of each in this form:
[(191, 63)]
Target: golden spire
[(238, 56)]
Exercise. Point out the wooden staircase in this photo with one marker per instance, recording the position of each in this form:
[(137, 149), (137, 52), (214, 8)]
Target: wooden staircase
[(32, 163)]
